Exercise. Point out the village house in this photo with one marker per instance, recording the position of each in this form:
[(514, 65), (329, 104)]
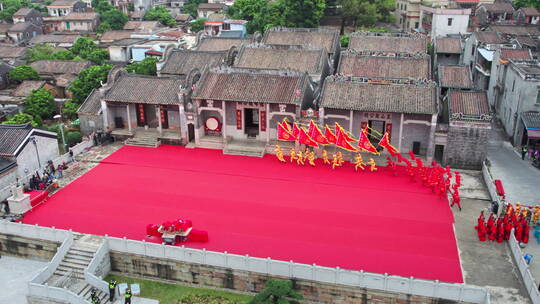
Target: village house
[(4, 70), (143, 27), (220, 43), (388, 43), (153, 47), (60, 73), (111, 36), (180, 63), (24, 31), (439, 22), (499, 69), (221, 26), (469, 129), (55, 40), (454, 77), (64, 7), (226, 2), (13, 55), (529, 129), (527, 15), (373, 65), (80, 22), (327, 39), (4, 28), (28, 86), (246, 105), (137, 15), (90, 114), (206, 9), (25, 148), (28, 15), (447, 50), (499, 11), (183, 20), (120, 51), (406, 110), (312, 60), (521, 94)]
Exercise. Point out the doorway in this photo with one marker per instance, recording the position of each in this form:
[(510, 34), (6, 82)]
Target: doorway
[(439, 153), (164, 117), (191, 132), (251, 118), (416, 147), (151, 116), (376, 128)]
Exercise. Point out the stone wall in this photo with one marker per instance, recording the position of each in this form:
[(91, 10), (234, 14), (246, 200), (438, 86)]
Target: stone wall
[(467, 145), (27, 248), (207, 276)]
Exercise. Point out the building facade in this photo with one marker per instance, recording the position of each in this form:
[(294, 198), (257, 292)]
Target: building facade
[(440, 22)]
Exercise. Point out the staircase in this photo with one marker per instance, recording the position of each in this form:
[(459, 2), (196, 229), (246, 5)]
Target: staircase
[(70, 273), (143, 141), (245, 148)]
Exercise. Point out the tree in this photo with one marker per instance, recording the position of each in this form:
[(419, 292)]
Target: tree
[(21, 118), (527, 3), (145, 67), (40, 52), (302, 13), (22, 73), (161, 14), (367, 12), (83, 46), (197, 25), (115, 19), (277, 292), (39, 103), (190, 7), (88, 80), (70, 108), (98, 56), (63, 55), (10, 7)]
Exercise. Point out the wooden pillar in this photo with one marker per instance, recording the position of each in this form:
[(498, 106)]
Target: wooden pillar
[(224, 122), (158, 113), (128, 117), (105, 111), (400, 130), (431, 142), (350, 121), (267, 123)]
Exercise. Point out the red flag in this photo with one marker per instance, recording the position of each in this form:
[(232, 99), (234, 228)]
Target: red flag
[(364, 143), (303, 138), (316, 134), (411, 154), (329, 135), (386, 144), (342, 142), (287, 126), (283, 133), (295, 131), (339, 129)]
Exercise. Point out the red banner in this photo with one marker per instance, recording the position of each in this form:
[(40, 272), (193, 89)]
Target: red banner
[(263, 121), (140, 111), (162, 113), (304, 139), (283, 133), (389, 131), (364, 144), (239, 119)]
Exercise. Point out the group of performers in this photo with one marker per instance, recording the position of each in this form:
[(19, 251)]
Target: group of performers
[(499, 228)]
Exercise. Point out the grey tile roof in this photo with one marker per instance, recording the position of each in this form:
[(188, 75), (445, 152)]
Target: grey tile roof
[(220, 44), (6, 164), (448, 45), (531, 119), (22, 27), (142, 25), (212, 6), (11, 137), (392, 98), (60, 66), (388, 43), (328, 39), (498, 7), (12, 52), (308, 60), (455, 76), (145, 89), (354, 64), (530, 11), (63, 3), (517, 30), (24, 11), (488, 37), (181, 62), (115, 35), (515, 53), (250, 85), (26, 87), (468, 106), (54, 38), (92, 104)]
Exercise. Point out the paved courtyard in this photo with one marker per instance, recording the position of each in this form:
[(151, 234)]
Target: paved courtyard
[(15, 273)]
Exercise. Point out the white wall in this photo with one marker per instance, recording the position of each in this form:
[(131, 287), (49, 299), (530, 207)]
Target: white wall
[(118, 54), (6, 179), (440, 25), (27, 160)]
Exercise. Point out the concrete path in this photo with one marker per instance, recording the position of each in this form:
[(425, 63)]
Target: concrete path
[(15, 273), (138, 300)]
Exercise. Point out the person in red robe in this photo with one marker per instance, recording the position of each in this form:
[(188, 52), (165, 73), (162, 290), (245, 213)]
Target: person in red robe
[(456, 199), (500, 232), (482, 232), (507, 230), (519, 233), (492, 233), (490, 221)]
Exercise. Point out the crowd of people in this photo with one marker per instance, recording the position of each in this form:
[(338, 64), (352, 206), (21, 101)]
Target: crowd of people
[(48, 176), (499, 228)]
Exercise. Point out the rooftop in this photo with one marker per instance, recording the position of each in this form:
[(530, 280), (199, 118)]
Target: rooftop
[(220, 44), (212, 6), (81, 16), (60, 66), (350, 94), (516, 30), (389, 43), (115, 35), (54, 38), (448, 45), (142, 26), (12, 52), (361, 64), (11, 137), (24, 11), (183, 17), (468, 106), (219, 18), (455, 76), (507, 53), (308, 60), (26, 87), (498, 7), (247, 85), (22, 26), (92, 104), (328, 39), (489, 37), (181, 62), (530, 11), (63, 3), (144, 89), (531, 119)]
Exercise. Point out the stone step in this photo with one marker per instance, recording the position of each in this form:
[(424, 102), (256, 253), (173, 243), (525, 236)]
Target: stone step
[(87, 291), (67, 269), (63, 272), (81, 252), (75, 260), (244, 152), (68, 265)]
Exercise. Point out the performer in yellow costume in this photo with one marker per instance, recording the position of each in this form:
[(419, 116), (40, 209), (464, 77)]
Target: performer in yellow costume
[(311, 158), (372, 165), (340, 158), (306, 154), (293, 155), (335, 161), (300, 160), (359, 162), (279, 154), (325, 157)]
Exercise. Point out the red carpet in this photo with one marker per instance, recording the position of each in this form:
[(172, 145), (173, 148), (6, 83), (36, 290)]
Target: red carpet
[(355, 220)]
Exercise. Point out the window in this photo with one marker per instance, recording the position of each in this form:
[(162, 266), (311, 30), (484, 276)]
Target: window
[(513, 85), (416, 25), (450, 21), (226, 26), (538, 97)]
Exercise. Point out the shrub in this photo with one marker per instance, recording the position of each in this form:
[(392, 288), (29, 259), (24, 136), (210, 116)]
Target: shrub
[(205, 299), (72, 137)]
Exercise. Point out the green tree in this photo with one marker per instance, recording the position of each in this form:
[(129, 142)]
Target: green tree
[(98, 56), (161, 14), (146, 67), (21, 118), (69, 109), (63, 55), (22, 73), (302, 13), (190, 7), (73, 138), (88, 80), (197, 25), (39, 103), (367, 12), (83, 46), (527, 3), (277, 292), (114, 18), (344, 40), (10, 7), (40, 52)]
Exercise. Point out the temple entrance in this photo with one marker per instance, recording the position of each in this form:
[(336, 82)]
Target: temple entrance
[(251, 118), (191, 132), (376, 128), (164, 116), (141, 115), (151, 117)]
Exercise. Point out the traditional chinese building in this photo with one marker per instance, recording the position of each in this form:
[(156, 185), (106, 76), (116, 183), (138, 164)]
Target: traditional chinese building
[(388, 43), (179, 63)]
